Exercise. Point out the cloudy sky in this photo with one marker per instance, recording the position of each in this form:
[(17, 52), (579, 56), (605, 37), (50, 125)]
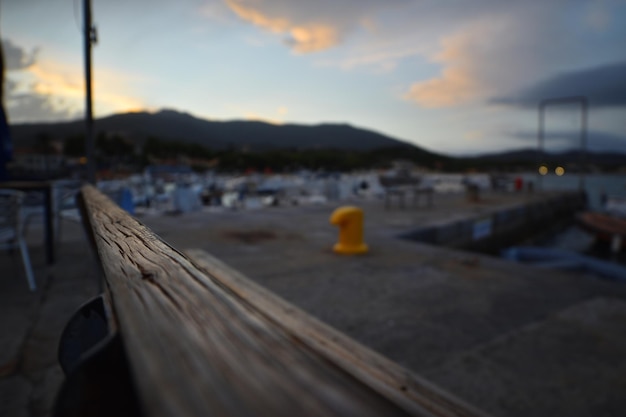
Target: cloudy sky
[(460, 76)]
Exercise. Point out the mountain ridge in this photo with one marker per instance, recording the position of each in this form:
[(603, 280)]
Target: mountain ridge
[(216, 134), (239, 135)]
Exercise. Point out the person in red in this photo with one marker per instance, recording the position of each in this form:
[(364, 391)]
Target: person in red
[(519, 183)]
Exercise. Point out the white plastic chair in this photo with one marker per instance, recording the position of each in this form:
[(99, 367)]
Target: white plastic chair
[(12, 230), (63, 206)]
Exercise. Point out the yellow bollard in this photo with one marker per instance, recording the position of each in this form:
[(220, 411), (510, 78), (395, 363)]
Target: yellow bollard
[(349, 219)]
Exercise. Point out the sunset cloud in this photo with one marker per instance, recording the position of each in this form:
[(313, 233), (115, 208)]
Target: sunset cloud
[(604, 86), (597, 140), (15, 57), (453, 87), (382, 58), (474, 135), (27, 106), (44, 89), (53, 79), (301, 37), (372, 63), (458, 82), (258, 18), (110, 92), (29, 95), (311, 26), (312, 38), (254, 117)]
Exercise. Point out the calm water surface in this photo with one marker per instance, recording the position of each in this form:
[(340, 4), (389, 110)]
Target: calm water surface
[(573, 237), (594, 184)]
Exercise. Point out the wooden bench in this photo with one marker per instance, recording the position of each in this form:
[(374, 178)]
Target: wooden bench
[(201, 339)]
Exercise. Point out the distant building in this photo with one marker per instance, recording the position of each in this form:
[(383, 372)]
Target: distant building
[(33, 163), (167, 171), (404, 167)]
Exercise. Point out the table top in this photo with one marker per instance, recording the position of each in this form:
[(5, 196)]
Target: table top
[(25, 185)]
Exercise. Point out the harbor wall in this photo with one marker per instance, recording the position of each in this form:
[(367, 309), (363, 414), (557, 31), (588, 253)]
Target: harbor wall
[(490, 232)]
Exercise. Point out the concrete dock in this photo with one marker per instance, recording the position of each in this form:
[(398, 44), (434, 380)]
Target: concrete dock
[(510, 339)]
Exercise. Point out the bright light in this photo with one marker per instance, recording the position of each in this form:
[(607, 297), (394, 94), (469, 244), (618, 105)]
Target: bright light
[(559, 171), (543, 170)]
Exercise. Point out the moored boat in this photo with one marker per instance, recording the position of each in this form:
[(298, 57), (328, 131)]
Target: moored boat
[(605, 227)]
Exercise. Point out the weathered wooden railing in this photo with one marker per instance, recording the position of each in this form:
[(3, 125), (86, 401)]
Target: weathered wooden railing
[(201, 339)]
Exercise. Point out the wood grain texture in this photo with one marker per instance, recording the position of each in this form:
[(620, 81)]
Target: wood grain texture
[(204, 340)]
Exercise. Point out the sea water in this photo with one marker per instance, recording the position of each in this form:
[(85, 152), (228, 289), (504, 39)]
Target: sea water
[(593, 184)]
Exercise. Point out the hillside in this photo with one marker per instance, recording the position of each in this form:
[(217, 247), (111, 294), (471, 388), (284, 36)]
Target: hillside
[(341, 143), (249, 135), (531, 156)]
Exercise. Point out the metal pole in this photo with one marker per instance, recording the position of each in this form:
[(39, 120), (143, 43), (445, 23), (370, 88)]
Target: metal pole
[(583, 144), (540, 146), (89, 137), (6, 148), (583, 129)]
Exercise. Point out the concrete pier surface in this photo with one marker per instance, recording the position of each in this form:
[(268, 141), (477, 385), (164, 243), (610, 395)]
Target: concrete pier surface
[(510, 339)]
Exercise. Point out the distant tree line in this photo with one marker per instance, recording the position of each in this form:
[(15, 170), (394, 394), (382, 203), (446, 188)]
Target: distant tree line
[(286, 160), (113, 149), (106, 145)]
